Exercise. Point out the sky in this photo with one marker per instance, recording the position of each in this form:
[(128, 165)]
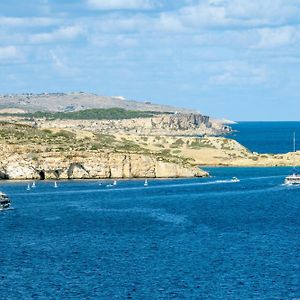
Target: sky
[(235, 59)]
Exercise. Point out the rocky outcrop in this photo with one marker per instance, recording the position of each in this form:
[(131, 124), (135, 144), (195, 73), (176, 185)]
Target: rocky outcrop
[(87, 165), (178, 124)]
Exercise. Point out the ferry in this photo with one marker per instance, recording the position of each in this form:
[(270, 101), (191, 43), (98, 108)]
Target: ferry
[(4, 201), (293, 179)]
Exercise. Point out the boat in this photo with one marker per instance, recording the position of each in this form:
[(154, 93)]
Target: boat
[(146, 183), (115, 182), (33, 185), (28, 187), (4, 201), (55, 184), (235, 179), (293, 179)]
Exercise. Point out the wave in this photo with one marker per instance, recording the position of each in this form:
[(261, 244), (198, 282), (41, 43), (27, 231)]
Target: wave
[(158, 214)]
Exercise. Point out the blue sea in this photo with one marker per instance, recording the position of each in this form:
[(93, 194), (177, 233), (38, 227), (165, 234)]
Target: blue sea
[(267, 137), (175, 239), (201, 238)]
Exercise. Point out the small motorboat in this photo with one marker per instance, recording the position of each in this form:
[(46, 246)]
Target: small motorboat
[(4, 201), (146, 183), (235, 179)]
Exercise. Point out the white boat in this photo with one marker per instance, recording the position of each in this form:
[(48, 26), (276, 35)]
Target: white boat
[(115, 182), (235, 179), (28, 187), (33, 185), (146, 183), (293, 179), (55, 184), (4, 201)]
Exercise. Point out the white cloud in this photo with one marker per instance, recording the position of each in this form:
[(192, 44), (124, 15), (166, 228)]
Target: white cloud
[(276, 37), (60, 63), (28, 22), (239, 73), (120, 4), (9, 53), (62, 34), (123, 41), (231, 14)]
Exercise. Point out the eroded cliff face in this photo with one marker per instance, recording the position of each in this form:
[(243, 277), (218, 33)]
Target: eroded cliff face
[(87, 165), (178, 124)]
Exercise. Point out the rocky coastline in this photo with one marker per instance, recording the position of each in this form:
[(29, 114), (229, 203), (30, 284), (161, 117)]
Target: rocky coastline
[(91, 165)]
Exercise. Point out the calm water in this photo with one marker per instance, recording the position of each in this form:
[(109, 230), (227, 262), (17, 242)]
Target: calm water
[(267, 137), (175, 239)]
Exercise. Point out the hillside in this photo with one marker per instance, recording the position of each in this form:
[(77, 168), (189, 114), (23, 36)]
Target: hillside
[(65, 102)]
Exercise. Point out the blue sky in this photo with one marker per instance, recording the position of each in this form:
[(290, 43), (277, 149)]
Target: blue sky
[(236, 59)]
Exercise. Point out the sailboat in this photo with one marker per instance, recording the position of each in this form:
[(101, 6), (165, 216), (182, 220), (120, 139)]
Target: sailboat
[(146, 183), (33, 185), (115, 182), (55, 184), (28, 187), (293, 179)]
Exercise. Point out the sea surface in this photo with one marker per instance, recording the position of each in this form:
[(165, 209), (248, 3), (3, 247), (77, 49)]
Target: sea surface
[(267, 137), (175, 239)]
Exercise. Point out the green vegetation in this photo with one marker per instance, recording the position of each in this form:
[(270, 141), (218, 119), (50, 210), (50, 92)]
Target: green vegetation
[(177, 144), (159, 145), (176, 151), (34, 140), (91, 114), (198, 144)]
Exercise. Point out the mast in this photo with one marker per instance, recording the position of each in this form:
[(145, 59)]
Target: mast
[(294, 142), (294, 154)]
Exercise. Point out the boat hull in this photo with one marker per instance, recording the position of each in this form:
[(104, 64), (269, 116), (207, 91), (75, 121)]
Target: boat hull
[(292, 180)]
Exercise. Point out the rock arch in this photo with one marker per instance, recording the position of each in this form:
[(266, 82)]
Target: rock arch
[(77, 171)]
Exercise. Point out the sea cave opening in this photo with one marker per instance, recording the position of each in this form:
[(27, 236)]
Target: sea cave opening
[(42, 175)]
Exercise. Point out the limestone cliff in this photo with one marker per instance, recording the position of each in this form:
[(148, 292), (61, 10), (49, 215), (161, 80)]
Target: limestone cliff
[(89, 165)]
